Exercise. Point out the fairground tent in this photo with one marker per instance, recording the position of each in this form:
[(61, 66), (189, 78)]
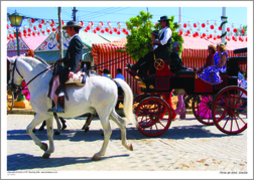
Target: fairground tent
[(49, 49), (109, 55), (25, 43)]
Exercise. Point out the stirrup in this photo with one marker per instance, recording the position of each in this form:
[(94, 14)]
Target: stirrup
[(57, 109)]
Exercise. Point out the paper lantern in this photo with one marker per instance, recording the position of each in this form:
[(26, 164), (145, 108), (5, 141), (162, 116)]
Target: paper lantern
[(115, 30), (189, 24), (126, 32), (119, 25), (215, 23), (212, 27), (110, 32), (9, 31), (102, 31), (38, 33), (198, 29), (184, 25), (42, 21), (51, 21), (228, 29), (29, 20), (24, 31), (90, 23), (97, 28), (198, 23), (180, 24), (191, 29), (210, 36), (180, 33), (29, 30), (204, 35), (48, 31), (85, 30), (207, 30), (53, 29), (246, 39), (33, 33), (118, 32), (194, 25), (218, 36), (107, 29), (219, 28), (32, 20), (80, 22), (40, 25), (215, 31), (43, 32), (24, 27), (100, 24), (94, 31), (109, 25), (243, 31), (88, 28), (35, 28), (235, 30), (231, 33), (207, 22), (241, 26), (203, 25), (30, 25), (188, 32), (7, 26)]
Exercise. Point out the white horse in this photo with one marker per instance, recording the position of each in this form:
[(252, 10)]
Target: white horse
[(98, 95)]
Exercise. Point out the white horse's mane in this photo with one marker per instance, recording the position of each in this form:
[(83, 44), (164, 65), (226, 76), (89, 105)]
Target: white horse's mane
[(34, 63)]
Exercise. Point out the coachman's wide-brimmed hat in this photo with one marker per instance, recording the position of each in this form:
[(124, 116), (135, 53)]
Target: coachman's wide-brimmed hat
[(72, 24), (164, 18)]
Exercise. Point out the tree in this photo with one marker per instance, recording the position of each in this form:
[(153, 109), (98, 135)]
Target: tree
[(138, 42)]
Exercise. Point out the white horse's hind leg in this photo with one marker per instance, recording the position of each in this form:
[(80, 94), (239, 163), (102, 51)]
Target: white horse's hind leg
[(35, 122), (50, 137), (107, 133), (122, 125)]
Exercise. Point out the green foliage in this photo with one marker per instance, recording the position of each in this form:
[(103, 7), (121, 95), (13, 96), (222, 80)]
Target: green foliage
[(139, 41)]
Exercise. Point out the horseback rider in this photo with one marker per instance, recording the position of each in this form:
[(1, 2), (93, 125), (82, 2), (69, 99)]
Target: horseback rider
[(162, 51), (71, 62)]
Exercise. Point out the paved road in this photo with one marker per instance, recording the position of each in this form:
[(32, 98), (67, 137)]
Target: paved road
[(186, 146)]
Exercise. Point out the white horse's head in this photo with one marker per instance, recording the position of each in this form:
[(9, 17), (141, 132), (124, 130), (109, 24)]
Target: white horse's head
[(15, 77)]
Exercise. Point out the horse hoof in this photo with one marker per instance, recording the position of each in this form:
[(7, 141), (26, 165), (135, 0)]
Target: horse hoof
[(86, 129), (44, 146), (96, 158), (57, 133), (45, 156), (130, 147)]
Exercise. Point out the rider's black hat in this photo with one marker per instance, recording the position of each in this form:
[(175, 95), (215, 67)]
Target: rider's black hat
[(164, 18), (72, 24)]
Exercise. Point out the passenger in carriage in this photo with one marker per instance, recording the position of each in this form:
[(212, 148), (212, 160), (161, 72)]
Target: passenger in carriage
[(210, 58), (211, 74), (176, 63), (71, 62), (162, 51)]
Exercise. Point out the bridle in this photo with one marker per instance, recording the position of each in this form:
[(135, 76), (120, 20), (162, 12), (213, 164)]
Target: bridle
[(14, 86)]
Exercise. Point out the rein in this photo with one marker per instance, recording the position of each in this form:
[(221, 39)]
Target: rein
[(22, 88)]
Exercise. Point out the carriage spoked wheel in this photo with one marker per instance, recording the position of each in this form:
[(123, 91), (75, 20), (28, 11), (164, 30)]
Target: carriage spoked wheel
[(202, 109), (158, 64), (230, 110), (153, 116), (10, 101)]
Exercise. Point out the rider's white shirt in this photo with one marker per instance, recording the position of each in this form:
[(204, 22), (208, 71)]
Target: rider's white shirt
[(167, 34)]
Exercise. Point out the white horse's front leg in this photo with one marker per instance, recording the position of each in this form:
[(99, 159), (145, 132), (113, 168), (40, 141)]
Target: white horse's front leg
[(50, 137), (35, 122)]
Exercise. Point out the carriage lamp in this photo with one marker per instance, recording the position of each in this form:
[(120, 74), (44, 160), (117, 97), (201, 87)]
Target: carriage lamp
[(16, 21)]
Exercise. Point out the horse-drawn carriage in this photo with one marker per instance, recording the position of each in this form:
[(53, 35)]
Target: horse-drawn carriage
[(223, 105)]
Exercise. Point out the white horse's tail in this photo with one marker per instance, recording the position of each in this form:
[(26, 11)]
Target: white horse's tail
[(128, 101)]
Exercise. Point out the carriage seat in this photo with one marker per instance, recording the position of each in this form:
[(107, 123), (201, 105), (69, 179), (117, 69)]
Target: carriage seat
[(184, 72)]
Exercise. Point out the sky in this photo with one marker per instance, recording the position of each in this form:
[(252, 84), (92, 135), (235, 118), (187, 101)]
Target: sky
[(121, 11)]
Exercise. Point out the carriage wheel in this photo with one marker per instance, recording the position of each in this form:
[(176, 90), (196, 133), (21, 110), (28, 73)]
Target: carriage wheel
[(10, 101), (230, 110), (153, 116), (202, 109), (158, 64)]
